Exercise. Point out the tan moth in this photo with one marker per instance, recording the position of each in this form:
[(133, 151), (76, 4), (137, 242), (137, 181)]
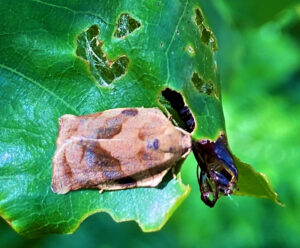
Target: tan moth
[(116, 149)]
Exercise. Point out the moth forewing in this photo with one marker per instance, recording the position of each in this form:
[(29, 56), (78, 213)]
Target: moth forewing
[(116, 149)]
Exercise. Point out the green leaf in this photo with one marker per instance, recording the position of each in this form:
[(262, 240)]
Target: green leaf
[(252, 183), (74, 57)]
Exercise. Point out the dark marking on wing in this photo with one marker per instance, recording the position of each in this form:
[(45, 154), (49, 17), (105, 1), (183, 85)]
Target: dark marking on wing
[(130, 112), (126, 180), (98, 159), (112, 175), (145, 156), (112, 127), (109, 132), (148, 159), (156, 144), (153, 144), (141, 134)]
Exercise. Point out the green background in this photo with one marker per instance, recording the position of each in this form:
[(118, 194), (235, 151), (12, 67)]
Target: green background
[(259, 65)]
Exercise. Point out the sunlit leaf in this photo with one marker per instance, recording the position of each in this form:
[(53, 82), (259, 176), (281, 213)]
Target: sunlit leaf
[(74, 57)]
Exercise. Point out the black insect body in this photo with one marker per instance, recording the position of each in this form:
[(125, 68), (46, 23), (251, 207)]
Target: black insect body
[(177, 102), (216, 171)]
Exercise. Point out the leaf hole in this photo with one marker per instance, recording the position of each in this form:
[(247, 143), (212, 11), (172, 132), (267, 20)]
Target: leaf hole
[(199, 17), (202, 86), (125, 25), (207, 35), (89, 48), (174, 103)]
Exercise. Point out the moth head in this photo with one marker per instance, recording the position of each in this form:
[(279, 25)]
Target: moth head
[(216, 171)]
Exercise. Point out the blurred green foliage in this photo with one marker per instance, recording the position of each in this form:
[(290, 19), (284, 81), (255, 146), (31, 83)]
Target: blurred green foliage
[(259, 65)]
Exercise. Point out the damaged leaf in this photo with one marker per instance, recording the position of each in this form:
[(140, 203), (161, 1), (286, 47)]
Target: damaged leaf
[(252, 183), (67, 58)]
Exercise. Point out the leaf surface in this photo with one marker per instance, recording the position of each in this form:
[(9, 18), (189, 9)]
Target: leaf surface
[(74, 57)]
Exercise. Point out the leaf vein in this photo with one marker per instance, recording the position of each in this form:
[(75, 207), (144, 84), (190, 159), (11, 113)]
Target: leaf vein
[(172, 40), (40, 86), (71, 10)]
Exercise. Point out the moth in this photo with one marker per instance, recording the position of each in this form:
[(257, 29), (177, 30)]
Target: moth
[(135, 147), (116, 149)]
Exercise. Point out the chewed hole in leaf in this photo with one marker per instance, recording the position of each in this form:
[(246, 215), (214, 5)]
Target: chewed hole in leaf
[(89, 48), (199, 17), (125, 25), (202, 86), (207, 35), (174, 103)]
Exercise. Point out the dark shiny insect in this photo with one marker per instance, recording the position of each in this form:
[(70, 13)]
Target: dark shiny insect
[(177, 103), (216, 171)]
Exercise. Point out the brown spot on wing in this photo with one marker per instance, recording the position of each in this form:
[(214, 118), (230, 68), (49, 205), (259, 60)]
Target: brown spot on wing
[(98, 159), (146, 158), (145, 132), (130, 112), (109, 132), (141, 134), (112, 127)]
